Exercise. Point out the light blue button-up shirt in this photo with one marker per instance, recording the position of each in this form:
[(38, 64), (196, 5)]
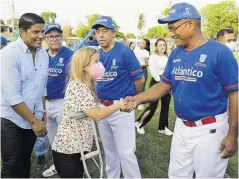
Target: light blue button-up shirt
[(22, 81)]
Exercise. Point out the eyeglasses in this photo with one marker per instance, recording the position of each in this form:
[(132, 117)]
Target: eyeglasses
[(173, 30), (51, 37)]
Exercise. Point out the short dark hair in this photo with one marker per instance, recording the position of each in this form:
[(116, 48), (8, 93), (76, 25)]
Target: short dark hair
[(147, 45), (99, 26), (156, 44), (198, 23), (29, 19), (224, 31)]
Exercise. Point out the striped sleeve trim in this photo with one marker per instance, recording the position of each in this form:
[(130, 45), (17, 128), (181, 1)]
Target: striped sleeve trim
[(229, 87), (166, 79), (132, 73)]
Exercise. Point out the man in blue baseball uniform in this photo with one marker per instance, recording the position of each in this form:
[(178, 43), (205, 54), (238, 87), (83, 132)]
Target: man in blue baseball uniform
[(202, 75), (59, 57), (123, 76)]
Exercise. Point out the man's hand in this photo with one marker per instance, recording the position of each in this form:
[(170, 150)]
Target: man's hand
[(228, 146), (39, 128), (130, 104)]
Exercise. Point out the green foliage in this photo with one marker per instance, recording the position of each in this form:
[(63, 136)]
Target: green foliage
[(67, 31), (49, 17), (157, 32), (218, 16), (130, 36), (120, 35), (141, 21), (92, 19), (82, 31), (2, 22), (166, 11)]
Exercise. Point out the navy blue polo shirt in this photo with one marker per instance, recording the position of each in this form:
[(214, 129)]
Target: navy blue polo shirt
[(201, 80)]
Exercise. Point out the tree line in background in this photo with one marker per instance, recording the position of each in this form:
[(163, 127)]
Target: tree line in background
[(214, 18)]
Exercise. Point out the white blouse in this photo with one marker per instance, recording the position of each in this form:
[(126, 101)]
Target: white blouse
[(141, 55), (157, 65)]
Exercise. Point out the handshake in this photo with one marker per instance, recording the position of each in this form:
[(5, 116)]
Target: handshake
[(128, 104)]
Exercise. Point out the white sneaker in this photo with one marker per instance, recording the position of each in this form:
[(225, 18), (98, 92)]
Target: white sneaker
[(168, 132), (141, 107), (141, 130), (161, 131), (50, 171), (137, 124)]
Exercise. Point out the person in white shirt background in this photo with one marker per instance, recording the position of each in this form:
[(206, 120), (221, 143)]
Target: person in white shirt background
[(157, 64), (132, 45), (142, 53)]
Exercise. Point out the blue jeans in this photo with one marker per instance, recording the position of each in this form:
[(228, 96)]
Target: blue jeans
[(41, 146)]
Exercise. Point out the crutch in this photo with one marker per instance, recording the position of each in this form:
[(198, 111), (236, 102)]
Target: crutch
[(92, 154), (81, 44)]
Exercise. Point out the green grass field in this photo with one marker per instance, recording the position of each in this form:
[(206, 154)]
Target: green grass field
[(153, 150)]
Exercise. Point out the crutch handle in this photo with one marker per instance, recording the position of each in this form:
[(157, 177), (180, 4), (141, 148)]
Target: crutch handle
[(92, 154)]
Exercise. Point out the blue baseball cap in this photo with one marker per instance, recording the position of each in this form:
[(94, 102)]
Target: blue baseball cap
[(180, 11), (4, 40), (53, 27), (105, 21)]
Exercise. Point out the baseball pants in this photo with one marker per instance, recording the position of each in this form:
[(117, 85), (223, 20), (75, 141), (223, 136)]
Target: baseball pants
[(119, 142), (54, 109), (197, 149)]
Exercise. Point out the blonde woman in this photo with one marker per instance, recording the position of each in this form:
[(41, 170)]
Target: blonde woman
[(80, 96)]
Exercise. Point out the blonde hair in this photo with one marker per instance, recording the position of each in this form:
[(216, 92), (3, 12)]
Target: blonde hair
[(78, 67)]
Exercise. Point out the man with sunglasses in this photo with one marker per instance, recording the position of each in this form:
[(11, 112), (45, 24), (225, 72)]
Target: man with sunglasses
[(59, 57), (203, 75)]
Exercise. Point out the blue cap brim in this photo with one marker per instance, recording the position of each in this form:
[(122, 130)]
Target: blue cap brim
[(59, 30), (102, 24), (168, 20)]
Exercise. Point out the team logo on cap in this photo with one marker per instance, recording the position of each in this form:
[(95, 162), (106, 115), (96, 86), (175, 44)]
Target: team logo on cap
[(202, 58), (54, 25), (172, 11), (187, 11), (101, 20)]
